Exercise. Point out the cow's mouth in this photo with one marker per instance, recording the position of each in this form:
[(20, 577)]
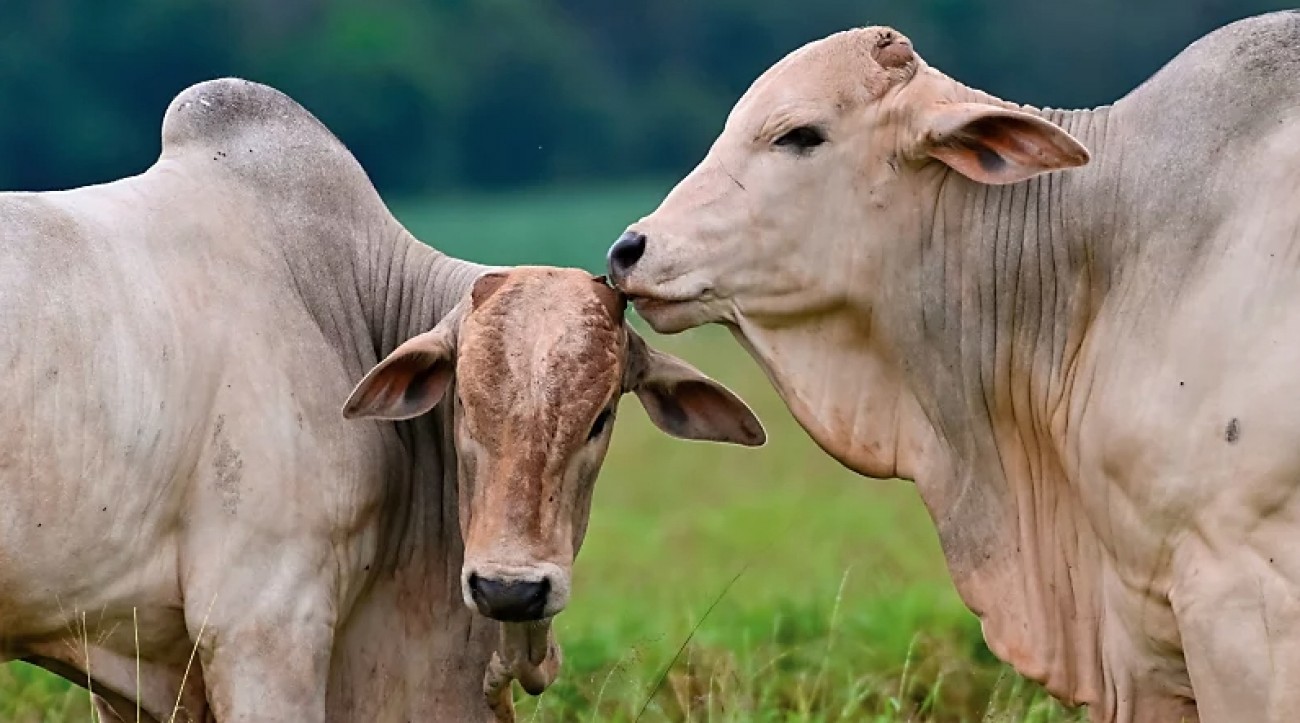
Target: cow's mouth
[(669, 316), (650, 303)]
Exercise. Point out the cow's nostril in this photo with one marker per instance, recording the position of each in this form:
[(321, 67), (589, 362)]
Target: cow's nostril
[(625, 252), (511, 601)]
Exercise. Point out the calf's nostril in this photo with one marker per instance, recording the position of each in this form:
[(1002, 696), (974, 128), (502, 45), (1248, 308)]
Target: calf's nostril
[(510, 601), (626, 251)]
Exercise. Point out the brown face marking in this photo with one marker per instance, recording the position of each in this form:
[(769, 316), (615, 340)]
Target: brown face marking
[(613, 299), (540, 357)]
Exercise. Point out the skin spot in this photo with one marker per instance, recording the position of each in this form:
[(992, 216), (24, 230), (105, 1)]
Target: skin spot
[(228, 467), (1233, 432)]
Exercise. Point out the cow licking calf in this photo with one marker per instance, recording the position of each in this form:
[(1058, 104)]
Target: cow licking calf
[(1075, 330), (177, 477)]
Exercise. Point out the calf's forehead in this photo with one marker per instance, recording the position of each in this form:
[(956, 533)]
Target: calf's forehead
[(543, 347)]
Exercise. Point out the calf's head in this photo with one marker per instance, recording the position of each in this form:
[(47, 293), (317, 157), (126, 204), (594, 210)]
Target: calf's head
[(540, 357), (823, 173)]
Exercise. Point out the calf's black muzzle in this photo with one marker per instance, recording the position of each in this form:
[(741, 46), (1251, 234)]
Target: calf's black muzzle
[(510, 601)]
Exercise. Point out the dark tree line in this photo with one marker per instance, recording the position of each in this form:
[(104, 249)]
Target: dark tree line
[(436, 94)]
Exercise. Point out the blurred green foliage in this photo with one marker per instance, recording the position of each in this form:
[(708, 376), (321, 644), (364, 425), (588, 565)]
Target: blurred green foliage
[(439, 94)]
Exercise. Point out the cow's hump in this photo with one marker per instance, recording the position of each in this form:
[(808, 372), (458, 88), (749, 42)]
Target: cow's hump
[(216, 112), (268, 140)]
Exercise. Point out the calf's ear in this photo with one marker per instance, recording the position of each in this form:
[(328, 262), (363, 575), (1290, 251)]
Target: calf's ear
[(996, 145), (411, 380), (685, 403)]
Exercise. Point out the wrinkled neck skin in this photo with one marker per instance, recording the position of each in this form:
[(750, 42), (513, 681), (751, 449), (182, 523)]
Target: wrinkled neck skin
[(408, 649), (959, 372)]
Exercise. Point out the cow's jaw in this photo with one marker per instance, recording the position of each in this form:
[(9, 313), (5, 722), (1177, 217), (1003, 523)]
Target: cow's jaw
[(669, 302), (670, 316)]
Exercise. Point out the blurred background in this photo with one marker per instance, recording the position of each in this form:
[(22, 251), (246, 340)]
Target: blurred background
[(533, 131)]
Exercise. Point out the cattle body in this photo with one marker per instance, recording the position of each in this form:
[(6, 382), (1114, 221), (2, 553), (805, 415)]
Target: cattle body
[(180, 476), (1075, 330)]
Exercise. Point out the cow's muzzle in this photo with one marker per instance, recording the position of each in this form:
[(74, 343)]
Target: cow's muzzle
[(512, 601), (623, 255)]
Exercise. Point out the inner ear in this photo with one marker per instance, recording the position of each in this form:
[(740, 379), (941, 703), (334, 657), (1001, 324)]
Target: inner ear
[(485, 286), (410, 381), (996, 145), (683, 402)]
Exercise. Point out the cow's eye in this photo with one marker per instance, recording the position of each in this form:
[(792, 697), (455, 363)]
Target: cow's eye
[(601, 422), (803, 138)]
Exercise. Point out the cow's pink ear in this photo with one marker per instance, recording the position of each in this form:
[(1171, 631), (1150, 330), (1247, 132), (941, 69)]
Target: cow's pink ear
[(685, 403), (996, 145), (410, 381)]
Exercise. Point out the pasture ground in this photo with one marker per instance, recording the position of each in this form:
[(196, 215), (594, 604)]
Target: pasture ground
[(814, 594)]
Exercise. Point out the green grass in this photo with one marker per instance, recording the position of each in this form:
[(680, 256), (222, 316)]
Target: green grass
[(840, 610)]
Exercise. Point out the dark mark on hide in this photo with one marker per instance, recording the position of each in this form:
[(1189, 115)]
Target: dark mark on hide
[(228, 467), (1233, 432)]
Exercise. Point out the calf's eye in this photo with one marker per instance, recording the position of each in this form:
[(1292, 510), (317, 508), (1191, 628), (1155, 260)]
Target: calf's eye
[(803, 138), (599, 427)]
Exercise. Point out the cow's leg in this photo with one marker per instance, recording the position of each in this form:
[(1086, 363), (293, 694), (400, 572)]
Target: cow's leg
[(265, 644), (271, 669), (1139, 684), (1240, 626)]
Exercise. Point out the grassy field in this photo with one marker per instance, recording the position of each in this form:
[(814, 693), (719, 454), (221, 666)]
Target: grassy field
[(779, 586)]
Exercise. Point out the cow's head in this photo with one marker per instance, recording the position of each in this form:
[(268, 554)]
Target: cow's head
[(540, 357), (829, 160)]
